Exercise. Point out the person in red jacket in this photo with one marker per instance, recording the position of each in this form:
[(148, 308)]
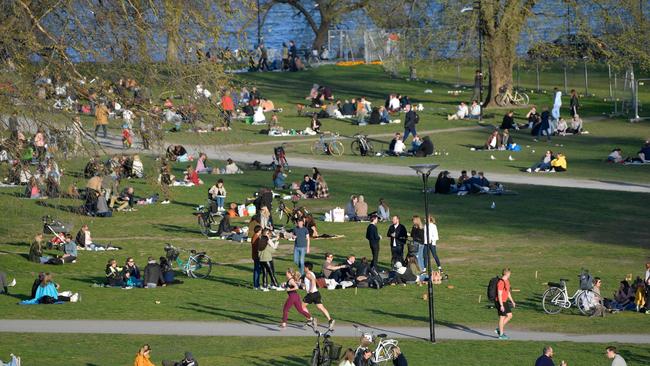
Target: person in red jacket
[(192, 176), (228, 107)]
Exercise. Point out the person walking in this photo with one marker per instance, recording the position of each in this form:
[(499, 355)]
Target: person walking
[(546, 359), (372, 234), (301, 244), (432, 230), (410, 120), (557, 104), (504, 309), (285, 57), (613, 355), (293, 279), (313, 296), (397, 234), (264, 58), (101, 118), (575, 103), (293, 55)]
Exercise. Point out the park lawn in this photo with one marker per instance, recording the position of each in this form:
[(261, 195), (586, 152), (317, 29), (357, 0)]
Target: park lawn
[(586, 154), (543, 234), (105, 350)]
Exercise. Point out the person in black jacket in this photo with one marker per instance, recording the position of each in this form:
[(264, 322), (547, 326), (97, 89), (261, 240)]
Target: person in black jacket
[(398, 357), (425, 148), (397, 235), (575, 102), (508, 122), (373, 239), (410, 120), (153, 274)]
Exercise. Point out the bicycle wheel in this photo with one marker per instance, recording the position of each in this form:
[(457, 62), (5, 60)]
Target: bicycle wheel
[(585, 304), (501, 99), (203, 224), (315, 357), (200, 266), (524, 99), (336, 148), (316, 147), (384, 354), (552, 300), (355, 147), (371, 149)]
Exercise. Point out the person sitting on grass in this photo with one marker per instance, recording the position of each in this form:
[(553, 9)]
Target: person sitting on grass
[(349, 208), (202, 164), (533, 118), (114, 277), (124, 200), (231, 168), (506, 140), (509, 121), (461, 112), (315, 124), (543, 165), (493, 141), (153, 274), (383, 210), (218, 194), (279, 177), (445, 184), (361, 208), (131, 268), (348, 109), (142, 358), (559, 164), (474, 110), (188, 360), (393, 143), (178, 153), (561, 128), (426, 148), (69, 250), (307, 187), (415, 144), (322, 190), (331, 270), (615, 156), (576, 125), (191, 176), (47, 293), (402, 275), (644, 153)]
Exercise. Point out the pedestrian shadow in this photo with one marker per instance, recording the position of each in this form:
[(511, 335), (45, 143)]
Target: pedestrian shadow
[(251, 318), (443, 323)]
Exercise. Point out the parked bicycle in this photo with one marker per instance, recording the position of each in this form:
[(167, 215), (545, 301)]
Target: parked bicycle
[(556, 298), (197, 265), (328, 352), (361, 145), (292, 213), (383, 353), (506, 98), (328, 144)]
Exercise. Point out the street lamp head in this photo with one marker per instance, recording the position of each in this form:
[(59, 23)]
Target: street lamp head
[(424, 169)]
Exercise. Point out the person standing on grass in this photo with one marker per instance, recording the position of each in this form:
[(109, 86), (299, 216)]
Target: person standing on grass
[(557, 104), (410, 120), (397, 235), (101, 118), (313, 296), (255, 256), (301, 245), (372, 234), (433, 239), (613, 355), (504, 309), (478, 85), (575, 103), (293, 279)]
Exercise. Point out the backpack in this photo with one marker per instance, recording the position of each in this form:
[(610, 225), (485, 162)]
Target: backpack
[(417, 118), (586, 280), (375, 280), (492, 288)]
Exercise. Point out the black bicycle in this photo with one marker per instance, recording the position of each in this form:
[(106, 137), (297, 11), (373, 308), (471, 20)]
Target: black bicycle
[(327, 352), (361, 145)]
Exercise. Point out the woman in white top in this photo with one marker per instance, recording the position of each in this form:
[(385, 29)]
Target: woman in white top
[(258, 117), (432, 231), (383, 211), (399, 147), (461, 113)]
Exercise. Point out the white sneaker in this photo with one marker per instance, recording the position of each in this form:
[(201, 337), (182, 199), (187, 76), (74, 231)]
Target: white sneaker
[(279, 289), (537, 170), (74, 298), (165, 202), (529, 170), (12, 283), (264, 289)]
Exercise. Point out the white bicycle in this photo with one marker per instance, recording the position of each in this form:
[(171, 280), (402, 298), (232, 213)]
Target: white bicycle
[(383, 353), (556, 298)]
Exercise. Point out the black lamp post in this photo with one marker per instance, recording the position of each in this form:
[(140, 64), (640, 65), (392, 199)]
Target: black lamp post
[(425, 171)]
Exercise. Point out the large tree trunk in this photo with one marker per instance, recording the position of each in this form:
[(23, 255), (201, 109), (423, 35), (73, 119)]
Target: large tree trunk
[(172, 47), (500, 57), (173, 12), (322, 35)]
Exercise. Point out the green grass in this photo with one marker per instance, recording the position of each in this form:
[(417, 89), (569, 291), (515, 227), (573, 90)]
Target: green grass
[(551, 231), (586, 154), (100, 350)]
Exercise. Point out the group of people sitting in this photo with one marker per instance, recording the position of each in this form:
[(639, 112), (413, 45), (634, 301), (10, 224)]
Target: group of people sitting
[(313, 186), (500, 141), (66, 243), (546, 124), (642, 157), (420, 146), (464, 112), (129, 276), (476, 183), (550, 163), (631, 295)]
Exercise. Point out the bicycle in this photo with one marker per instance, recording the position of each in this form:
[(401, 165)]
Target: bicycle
[(383, 353), (323, 356), (505, 97), (197, 265), (292, 214), (328, 145), (556, 298), (361, 145)]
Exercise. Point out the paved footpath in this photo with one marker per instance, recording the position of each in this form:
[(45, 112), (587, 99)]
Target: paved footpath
[(252, 329)]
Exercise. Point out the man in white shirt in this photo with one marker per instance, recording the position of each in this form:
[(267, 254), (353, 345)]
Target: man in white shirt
[(399, 147), (613, 355), (393, 103)]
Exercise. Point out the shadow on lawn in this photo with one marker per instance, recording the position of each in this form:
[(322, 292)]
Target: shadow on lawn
[(90, 279), (633, 357), (176, 228), (425, 319), (284, 361), (242, 316)]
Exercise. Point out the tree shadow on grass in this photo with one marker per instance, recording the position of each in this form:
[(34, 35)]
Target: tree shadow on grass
[(533, 302), (631, 357), (260, 320), (229, 281), (90, 279), (176, 229), (64, 208)]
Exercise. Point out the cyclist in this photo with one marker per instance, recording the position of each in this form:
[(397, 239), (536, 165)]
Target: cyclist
[(313, 296)]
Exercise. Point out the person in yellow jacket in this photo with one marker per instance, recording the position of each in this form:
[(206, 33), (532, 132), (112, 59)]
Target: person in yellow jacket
[(101, 118), (559, 163), (142, 357)]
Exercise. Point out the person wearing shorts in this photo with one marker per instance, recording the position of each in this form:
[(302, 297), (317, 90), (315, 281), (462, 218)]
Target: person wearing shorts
[(313, 296), (504, 310)]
